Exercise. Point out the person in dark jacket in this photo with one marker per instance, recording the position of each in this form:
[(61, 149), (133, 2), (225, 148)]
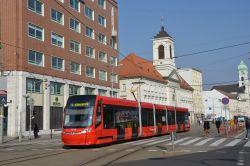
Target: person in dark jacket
[(247, 124), (36, 130), (218, 123), (206, 127)]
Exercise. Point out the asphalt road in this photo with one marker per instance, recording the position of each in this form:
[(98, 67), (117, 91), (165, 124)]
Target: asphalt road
[(191, 148)]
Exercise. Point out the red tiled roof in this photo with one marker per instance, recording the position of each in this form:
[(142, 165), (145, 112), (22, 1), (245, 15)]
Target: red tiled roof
[(134, 66), (229, 95), (185, 85)]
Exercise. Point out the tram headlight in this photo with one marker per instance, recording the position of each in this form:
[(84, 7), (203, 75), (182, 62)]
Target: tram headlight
[(87, 130)]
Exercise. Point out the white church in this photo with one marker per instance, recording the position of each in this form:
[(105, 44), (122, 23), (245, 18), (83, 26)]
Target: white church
[(238, 95), (158, 81)]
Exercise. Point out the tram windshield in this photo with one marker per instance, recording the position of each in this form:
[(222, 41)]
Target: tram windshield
[(79, 113)]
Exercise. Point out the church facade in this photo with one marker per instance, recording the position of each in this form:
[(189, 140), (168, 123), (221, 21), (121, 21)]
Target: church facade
[(158, 81)]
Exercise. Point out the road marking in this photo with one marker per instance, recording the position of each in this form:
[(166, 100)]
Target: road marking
[(34, 149), (178, 141), (247, 144), (8, 149), (203, 142), (201, 151), (233, 143), (237, 136), (137, 141), (152, 150), (216, 143), (153, 143), (143, 142), (191, 141), (49, 149)]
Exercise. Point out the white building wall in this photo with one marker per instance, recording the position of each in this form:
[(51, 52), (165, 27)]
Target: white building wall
[(213, 105), (145, 90), (16, 93)]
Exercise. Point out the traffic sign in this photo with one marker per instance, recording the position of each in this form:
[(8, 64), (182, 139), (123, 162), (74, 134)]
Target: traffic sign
[(225, 100)]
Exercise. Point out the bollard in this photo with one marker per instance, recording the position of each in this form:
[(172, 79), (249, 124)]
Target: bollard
[(50, 133)]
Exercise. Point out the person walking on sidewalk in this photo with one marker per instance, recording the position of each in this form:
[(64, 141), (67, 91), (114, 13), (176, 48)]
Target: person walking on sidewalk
[(206, 127), (36, 130), (247, 124), (218, 123)]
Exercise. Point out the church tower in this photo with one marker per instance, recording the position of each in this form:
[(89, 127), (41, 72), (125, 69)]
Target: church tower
[(163, 53), (243, 74)]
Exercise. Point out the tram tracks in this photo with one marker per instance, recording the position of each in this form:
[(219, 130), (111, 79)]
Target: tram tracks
[(114, 156), (33, 157)]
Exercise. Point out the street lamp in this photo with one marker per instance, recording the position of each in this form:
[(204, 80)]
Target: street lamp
[(112, 79)]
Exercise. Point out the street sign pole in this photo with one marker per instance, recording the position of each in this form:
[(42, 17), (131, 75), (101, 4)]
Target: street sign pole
[(1, 123), (225, 101)]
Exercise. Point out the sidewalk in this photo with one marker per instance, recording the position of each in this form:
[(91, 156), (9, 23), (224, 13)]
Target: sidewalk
[(14, 141)]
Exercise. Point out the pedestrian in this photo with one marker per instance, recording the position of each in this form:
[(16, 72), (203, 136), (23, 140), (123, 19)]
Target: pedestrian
[(206, 127), (247, 124), (218, 123), (36, 130)]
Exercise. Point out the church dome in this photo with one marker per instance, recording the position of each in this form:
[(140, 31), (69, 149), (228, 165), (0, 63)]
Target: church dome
[(162, 34), (242, 66)]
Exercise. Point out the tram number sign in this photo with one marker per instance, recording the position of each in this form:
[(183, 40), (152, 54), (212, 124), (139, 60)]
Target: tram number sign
[(225, 100)]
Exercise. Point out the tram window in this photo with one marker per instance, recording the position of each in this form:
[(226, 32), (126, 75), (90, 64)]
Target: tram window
[(171, 118), (98, 115)]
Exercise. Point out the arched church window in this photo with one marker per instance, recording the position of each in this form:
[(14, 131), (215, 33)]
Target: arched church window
[(170, 52), (161, 52), (242, 78)]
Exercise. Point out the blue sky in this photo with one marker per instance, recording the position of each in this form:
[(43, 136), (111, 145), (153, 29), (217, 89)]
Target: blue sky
[(195, 26)]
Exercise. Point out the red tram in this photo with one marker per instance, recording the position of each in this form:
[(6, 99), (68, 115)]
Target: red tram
[(91, 119)]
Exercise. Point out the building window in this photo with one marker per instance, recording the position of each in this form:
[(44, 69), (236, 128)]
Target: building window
[(57, 40), (103, 75), (75, 4), (89, 91), (114, 78), (89, 13), (113, 61), (74, 90), (90, 52), (124, 87), (161, 52), (35, 31), (90, 72), (113, 43), (75, 25), (102, 3), (57, 16), (75, 68), (56, 88), (33, 85), (75, 47), (102, 21), (36, 6), (35, 58), (170, 52), (102, 38), (102, 57), (57, 63), (102, 92), (90, 32)]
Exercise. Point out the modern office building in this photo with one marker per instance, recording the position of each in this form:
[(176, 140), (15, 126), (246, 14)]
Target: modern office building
[(51, 49)]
